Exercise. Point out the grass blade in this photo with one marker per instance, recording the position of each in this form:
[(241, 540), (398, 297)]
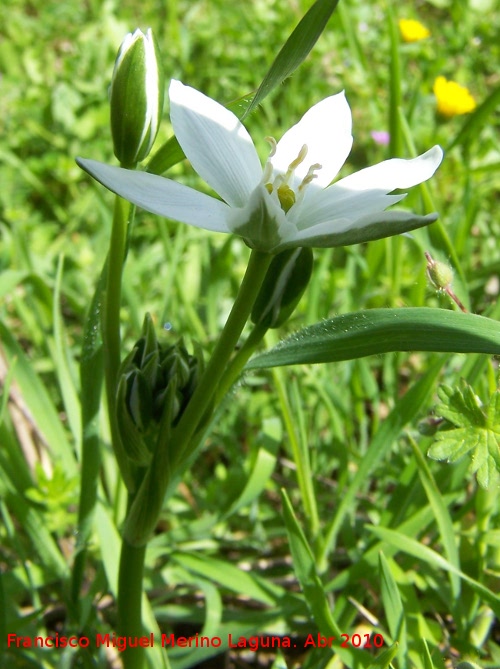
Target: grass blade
[(404, 411), (425, 554)]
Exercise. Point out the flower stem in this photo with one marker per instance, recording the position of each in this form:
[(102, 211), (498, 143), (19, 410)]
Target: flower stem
[(236, 365), (129, 602), (256, 271), (111, 328)]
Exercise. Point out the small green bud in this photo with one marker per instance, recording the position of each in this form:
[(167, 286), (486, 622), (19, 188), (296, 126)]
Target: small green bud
[(283, 286), (441, 277), (136, 97), (439, 273)]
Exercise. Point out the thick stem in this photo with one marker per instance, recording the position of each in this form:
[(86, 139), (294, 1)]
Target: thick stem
[(129, 624), (256, 271)]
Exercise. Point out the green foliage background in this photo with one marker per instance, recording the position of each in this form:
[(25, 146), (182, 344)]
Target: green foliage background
[(342, 439)]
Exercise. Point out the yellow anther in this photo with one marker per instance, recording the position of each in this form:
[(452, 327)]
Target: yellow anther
[(280, 184)]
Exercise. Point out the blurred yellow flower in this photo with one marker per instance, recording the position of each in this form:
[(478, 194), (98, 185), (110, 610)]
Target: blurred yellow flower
[(452, 99), (412, 31)]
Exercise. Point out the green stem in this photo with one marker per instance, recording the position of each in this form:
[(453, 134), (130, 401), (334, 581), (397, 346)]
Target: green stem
[(129, 602), (396, 97), (256, 271), (175, 446), (91, 376), (236, 365), (111, 329)]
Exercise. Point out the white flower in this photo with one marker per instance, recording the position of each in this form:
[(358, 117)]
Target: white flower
[(287, 204)]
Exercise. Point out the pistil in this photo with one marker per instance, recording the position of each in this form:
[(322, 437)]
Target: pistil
[(286, 195)]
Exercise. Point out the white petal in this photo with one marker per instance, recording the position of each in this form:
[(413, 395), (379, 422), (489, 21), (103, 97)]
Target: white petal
[(336, 204), (161, 196), (326, 130), (368, 228), (395, 173), (217, 144)]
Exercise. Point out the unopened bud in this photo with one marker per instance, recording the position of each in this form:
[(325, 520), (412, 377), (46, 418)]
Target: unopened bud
[(152, 380), (136, 97), (283, 286), (440, 274)]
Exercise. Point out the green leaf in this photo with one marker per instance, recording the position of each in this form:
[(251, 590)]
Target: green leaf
[(442, 515), (376, 331), (477, 120), (404, 411), (393, 606), (475, 431), (410, 546), (305, 567), (295, 49), (263, 467), (166, 157), (428, 663), (385, 658), (39, 401)]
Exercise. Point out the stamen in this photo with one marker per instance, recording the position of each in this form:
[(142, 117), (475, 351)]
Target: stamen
[(273, 144), (268, 167), (295, 163), (310, 175), (299, 159)]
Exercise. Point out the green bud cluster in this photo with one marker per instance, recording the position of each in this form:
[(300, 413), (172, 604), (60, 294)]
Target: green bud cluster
[(155, 384)]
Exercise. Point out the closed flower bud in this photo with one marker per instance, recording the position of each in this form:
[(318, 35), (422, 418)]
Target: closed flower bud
[(283, 286), (439, 273), (152, 380), (136, 97)]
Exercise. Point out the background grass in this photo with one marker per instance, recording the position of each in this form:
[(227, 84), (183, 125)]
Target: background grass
[(221, 561)]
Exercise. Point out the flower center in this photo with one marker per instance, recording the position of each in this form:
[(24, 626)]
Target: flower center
[(281, 183)]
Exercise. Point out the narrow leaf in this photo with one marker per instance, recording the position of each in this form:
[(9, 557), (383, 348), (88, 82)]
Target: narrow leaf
[(477, 120), (296, 49), (393, 606), (403, 412), (304, 564), (305, 569), (411, 546), (385, 658), (443, 518), (376, 331), (37, 398)]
